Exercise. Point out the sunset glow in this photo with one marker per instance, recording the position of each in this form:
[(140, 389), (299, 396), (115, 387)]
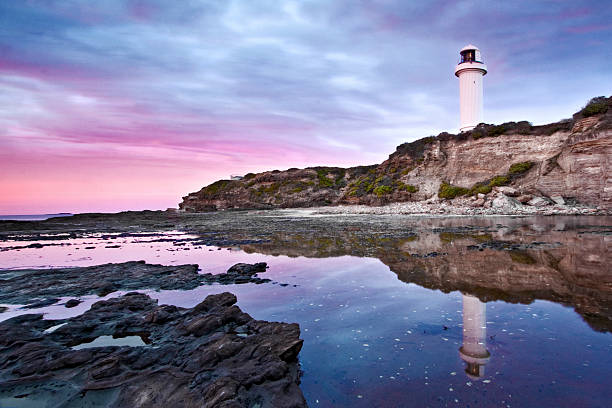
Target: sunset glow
[(118, 105)]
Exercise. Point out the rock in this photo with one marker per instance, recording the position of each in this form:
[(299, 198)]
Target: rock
[(478, 203), (558, 200), (481, 195), (73, 303), (174, 367), (42, 287), (245, 269), (508, 191), (505, 202), (538, 202), (524, 198)]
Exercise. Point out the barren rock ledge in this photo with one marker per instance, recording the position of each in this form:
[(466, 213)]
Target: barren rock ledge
[(212, 355)]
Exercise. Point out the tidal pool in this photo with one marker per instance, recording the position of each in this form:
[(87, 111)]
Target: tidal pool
[(516, 312)]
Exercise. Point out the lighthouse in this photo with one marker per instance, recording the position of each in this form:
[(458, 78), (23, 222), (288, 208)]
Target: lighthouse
[(470, 71), (474, 349)]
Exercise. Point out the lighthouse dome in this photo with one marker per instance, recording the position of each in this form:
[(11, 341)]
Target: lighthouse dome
[(469, 47), (470, 53)]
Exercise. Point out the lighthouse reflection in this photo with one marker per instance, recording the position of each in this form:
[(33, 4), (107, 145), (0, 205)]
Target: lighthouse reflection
[(474, 349)]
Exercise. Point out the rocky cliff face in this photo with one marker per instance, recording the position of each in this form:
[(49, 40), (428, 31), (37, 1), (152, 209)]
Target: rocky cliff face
[(568, 159)]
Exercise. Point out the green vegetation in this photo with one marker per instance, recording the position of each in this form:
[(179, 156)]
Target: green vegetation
[(405, 187), (480, 188), (340, 181), (499, 181), (216, 187), (595, 106), (484, 130), (382, 190), (516, 170), (323, 180), (268, 189), (448, 191), (520, 168), (379, 184), (496, 131), (415, 150)]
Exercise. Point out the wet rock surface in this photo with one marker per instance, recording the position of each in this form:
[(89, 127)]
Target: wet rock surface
[(212, 355), (42, 287)]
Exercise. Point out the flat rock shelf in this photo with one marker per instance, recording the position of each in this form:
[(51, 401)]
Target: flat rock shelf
[(42, 287), (211, 355)]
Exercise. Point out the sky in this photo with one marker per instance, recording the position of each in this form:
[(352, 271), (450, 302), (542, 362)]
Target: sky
[(131, 104)]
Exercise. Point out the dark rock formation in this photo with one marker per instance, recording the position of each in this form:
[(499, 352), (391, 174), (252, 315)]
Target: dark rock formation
[(569, 159), (212, 355), (43, 287), (73, 303)]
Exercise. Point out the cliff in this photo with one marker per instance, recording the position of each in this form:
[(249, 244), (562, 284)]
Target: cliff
[(569, 161)]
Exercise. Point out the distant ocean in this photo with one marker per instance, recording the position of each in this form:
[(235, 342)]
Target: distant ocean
[(32, 217)]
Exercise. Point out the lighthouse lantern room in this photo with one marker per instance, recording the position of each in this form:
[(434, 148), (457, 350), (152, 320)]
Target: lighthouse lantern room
[(470, 71)]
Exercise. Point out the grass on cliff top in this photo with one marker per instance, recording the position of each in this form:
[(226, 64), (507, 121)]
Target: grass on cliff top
[(595, 106), (216, 187)]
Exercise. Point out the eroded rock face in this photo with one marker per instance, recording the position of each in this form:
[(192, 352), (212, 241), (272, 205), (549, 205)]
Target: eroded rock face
[(569, 159), (212, 355), (42, 287)]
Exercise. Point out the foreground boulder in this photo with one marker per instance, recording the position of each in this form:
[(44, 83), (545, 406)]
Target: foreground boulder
[(43, 287), (212, 355)]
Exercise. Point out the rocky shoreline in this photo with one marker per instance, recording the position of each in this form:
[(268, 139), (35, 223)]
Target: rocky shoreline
[(42, 287), (212, 355), (494, 204)]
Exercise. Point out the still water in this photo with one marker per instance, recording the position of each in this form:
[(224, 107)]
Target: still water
[(473, 325)]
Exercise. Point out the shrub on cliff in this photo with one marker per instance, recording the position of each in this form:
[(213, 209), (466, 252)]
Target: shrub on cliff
[(323, 180), (520, 168), (406, 187), (485, 130), (482, 188), (449, 191), (414, 150), (596, 106), (499, 181), (382, 190)]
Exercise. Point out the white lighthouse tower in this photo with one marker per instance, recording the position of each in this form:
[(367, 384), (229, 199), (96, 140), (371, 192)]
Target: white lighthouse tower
[(470, 71), (474, 349)]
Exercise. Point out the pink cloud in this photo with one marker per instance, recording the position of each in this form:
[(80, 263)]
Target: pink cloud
[(584, 29)]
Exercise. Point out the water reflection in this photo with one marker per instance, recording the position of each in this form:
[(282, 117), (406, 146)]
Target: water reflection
[(564, 260), (474, 349)]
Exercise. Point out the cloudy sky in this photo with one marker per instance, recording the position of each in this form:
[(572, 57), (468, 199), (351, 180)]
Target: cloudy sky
[(130, 104)]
